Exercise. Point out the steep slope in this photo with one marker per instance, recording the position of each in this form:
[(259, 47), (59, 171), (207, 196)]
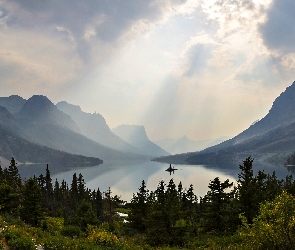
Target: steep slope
[(24, 151), (95, 127), (136, 136), (41, 110), (45, 125), (12, 103), (273, 135)]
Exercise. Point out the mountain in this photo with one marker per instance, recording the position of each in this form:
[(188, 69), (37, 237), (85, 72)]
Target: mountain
[(12, 103), (44, 124), (95, 127), (7, 119), (184, 144), (26, 152), (136, 136), (41, 110), (13, 144), (272, 137)]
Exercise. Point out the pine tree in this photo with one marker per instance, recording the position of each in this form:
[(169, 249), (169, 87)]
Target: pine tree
[(13, 176), (81, 188), (138, 209), (74, 192), (217, 201), (9, 199), (84, 215), (98, 203), (32, 211)]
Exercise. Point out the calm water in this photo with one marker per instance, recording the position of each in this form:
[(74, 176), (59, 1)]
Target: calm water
[(125, 180)]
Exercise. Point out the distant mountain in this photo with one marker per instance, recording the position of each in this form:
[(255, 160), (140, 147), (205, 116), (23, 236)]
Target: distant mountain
[(44, 124), (13, 103), (7, 119), (41, 110), (184, 144), (271, 137), (26, 152), (95, 127), (136, 136)]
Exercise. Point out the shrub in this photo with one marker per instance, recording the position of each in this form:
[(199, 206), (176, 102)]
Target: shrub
[(101, 237), (274, 227), (52, 225), (55, 243), (71, 231), (18, 240)]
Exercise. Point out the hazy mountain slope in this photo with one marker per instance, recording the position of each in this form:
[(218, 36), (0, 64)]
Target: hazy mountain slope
[(41, 110), (43, 124), (95, 127), (24, 151), (184, 144), (12, 103), (136, 136), (274, 134), (7, 119)]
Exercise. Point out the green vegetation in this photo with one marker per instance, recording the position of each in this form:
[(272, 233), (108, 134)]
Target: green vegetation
[(258, 213)]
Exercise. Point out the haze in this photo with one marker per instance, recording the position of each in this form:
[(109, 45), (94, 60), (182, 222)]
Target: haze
[(198, 68)]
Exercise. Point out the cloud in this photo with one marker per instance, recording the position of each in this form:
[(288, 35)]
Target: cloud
[(65, 40), (278, 31)]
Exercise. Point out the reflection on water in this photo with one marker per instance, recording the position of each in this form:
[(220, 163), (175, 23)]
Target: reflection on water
[(124, 180)]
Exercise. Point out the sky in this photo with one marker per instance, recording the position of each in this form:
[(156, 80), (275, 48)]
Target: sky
[(201, 68)]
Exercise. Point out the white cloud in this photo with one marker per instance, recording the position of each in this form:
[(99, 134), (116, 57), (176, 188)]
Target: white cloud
[(188, 65)]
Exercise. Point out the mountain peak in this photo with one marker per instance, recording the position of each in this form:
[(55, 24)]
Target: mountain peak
[(126, 132), (12, 103), (40, 109), (69, 107), (36, 106)]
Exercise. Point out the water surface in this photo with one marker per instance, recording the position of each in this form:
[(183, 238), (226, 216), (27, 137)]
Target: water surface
[(124, 180)]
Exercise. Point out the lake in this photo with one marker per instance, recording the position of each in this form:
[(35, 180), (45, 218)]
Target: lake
[(124, 180)]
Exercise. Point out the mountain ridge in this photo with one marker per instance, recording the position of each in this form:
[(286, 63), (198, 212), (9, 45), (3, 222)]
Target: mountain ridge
[(273, 135)]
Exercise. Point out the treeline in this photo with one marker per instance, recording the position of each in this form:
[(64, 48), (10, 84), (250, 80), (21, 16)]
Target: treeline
[(34, 199), (171, 215), (256, 213)]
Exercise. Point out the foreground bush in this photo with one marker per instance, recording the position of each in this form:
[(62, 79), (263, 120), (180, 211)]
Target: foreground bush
[(101, 237), (17, 239), (274, 227)]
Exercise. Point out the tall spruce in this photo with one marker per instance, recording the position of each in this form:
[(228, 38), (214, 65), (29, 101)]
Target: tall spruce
[(216, 204), (139, 208), (32, 211)]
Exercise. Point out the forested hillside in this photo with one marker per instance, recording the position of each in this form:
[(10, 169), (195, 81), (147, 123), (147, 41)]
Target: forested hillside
[(258, 213)]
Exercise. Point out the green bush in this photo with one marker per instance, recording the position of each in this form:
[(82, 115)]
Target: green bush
[(63, 243), (71, 231), (274, 227), (52, 225), (18, 240), (55, 243)]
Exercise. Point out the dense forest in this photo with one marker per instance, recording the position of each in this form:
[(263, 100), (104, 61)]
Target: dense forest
[(39, 213)]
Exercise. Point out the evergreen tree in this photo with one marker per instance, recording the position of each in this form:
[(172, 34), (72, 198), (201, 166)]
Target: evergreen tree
[(98, 203), (138, 209), (13, 176), (9, 199), (157, 221), (216, 206), (247, 190), (81, 188), (253, 190), (74, 192), (84, 216), (32, 211)]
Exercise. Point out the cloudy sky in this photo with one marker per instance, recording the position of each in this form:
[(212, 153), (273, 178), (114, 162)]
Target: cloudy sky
[(201, 68)]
